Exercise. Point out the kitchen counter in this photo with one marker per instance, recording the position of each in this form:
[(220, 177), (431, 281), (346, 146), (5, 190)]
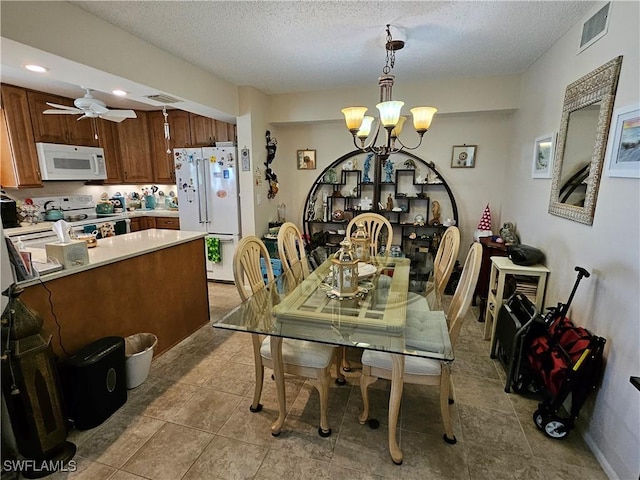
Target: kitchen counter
[(149, 281), (26, 227), (116, 249)]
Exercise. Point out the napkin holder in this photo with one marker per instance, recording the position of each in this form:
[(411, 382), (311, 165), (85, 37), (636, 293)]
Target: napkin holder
[(71, 254)]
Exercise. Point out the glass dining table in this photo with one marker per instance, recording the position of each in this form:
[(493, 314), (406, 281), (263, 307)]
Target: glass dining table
[(380, 316)]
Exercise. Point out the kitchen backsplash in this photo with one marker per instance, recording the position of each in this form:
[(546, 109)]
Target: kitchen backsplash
[(51, 189)]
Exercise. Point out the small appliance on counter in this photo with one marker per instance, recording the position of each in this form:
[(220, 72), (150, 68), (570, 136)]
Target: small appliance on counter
[(9, 212)]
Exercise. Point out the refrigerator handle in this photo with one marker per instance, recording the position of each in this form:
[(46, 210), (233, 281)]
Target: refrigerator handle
[(205, 174), (198, 184)]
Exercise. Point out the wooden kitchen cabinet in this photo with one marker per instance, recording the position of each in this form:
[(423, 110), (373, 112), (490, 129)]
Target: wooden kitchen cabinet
[(18, 156), (135, 149), (108, 140), (168, 223), (222, 134), (142, 223), (203, 130), (180, 133), (66, 129)]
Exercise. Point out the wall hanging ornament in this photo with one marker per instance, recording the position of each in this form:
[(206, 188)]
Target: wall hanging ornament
[(270, 175)]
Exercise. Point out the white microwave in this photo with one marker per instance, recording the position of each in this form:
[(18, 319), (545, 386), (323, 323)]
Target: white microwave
[(70, 162)]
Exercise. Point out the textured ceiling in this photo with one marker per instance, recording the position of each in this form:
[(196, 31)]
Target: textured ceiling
[(307, 45)]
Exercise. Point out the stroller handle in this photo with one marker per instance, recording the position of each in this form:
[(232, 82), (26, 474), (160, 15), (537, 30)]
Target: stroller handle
[(582, 272)]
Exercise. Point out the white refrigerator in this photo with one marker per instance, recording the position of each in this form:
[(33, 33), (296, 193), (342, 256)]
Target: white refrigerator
[(207, 184)]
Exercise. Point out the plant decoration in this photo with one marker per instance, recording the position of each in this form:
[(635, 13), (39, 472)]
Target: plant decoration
[(409, 163), (270, 175)]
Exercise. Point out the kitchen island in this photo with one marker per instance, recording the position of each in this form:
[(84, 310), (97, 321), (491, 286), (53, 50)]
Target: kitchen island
[(149, 281)]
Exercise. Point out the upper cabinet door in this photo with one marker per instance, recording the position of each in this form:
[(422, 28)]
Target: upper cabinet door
[(180, 129), (222, 135), (108, 140), (48, 128), (62, 128), (18, 156), (161, 160), (135, 151), (203, 130)]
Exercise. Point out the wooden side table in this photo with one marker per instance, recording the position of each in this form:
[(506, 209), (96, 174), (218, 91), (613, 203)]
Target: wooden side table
[(489, 249), (530, 281)]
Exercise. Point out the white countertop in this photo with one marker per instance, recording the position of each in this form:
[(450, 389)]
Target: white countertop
[(26, 228), (118, 248)]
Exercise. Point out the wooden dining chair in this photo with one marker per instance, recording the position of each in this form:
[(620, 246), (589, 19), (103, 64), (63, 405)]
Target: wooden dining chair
[(443, 264), (307, 359), (427, 371), (295, 266), (374, 225)]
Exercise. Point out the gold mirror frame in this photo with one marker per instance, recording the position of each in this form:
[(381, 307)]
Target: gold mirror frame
[(599, 86)]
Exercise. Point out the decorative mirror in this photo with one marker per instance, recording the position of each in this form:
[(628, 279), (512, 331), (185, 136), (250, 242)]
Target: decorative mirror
[(582, 141)]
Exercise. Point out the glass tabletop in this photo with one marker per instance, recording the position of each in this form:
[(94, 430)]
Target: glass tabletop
[(381, 316)]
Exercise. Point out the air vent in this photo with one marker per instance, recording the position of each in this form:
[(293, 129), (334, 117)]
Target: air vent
[(161, 98), (595, 28)]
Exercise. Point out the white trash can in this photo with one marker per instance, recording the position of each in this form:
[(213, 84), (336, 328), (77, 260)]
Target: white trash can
[(138, 350)]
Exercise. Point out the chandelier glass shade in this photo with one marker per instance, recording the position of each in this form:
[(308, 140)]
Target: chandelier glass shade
[(390, 118)]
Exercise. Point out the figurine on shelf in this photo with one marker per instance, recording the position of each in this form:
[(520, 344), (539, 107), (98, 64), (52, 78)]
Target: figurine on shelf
[(508, 234), (367, 166), (311, 209), (410, 164), (388, 170), (435, 213), (389, 202)]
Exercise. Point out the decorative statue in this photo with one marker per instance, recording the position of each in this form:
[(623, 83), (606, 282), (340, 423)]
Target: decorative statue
[(367, 166), (409, 163), (388, 170), (508, 234), (435, 213), (270, 175), (311, 209), (389, 202)]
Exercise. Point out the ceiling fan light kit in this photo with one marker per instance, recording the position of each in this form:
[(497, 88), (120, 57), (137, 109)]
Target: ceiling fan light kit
[(390, 117), (90, 107)]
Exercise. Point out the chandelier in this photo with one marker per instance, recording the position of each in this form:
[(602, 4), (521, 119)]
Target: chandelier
[(390, 118)]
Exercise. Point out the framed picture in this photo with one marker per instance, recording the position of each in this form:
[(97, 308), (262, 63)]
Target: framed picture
[(543, 153), (464, 156), (624, 143), (306, 159)]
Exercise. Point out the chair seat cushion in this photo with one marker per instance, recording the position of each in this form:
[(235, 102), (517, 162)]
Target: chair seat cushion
[(412, 365), (300, 353)]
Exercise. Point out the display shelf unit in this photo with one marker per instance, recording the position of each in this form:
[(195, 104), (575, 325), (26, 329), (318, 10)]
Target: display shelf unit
[(340, 187), (529, 280)]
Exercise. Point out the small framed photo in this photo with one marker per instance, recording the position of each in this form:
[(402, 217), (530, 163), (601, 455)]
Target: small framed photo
[(543, 153), (306, 159), (464, 156), (624, 143)]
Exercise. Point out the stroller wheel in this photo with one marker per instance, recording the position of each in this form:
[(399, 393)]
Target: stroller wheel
[(537, 419), (554, 427)]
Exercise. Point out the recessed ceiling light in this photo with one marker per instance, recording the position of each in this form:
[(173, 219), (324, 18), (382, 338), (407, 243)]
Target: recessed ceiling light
[(36, 68), (119, 93)]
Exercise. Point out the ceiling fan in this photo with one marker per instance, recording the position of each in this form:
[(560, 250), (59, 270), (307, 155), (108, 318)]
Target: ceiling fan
[(90, 107)]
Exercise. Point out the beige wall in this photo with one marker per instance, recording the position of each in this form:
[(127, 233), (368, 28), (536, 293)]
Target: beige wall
[(473, 111), (608, 302)]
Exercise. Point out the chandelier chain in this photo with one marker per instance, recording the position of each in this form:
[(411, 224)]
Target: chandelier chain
[(391, 53)]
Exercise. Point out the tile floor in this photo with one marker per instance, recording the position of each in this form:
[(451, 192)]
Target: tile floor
[(190, 420)]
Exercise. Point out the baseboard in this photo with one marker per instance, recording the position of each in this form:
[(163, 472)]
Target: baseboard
[(608, 470)]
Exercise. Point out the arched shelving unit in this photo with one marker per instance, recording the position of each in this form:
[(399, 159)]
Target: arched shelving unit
[(415, 184)]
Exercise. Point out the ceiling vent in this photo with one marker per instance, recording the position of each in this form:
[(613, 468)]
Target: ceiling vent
[(595, 28), (162, 98)]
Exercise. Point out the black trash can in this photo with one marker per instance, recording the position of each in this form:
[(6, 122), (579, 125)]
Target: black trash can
[(94, 382)]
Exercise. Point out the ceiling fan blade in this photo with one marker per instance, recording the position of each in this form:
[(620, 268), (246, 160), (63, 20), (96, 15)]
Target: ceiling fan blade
[(75, 111), (112, 118), (119, 114), (64, 107)]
